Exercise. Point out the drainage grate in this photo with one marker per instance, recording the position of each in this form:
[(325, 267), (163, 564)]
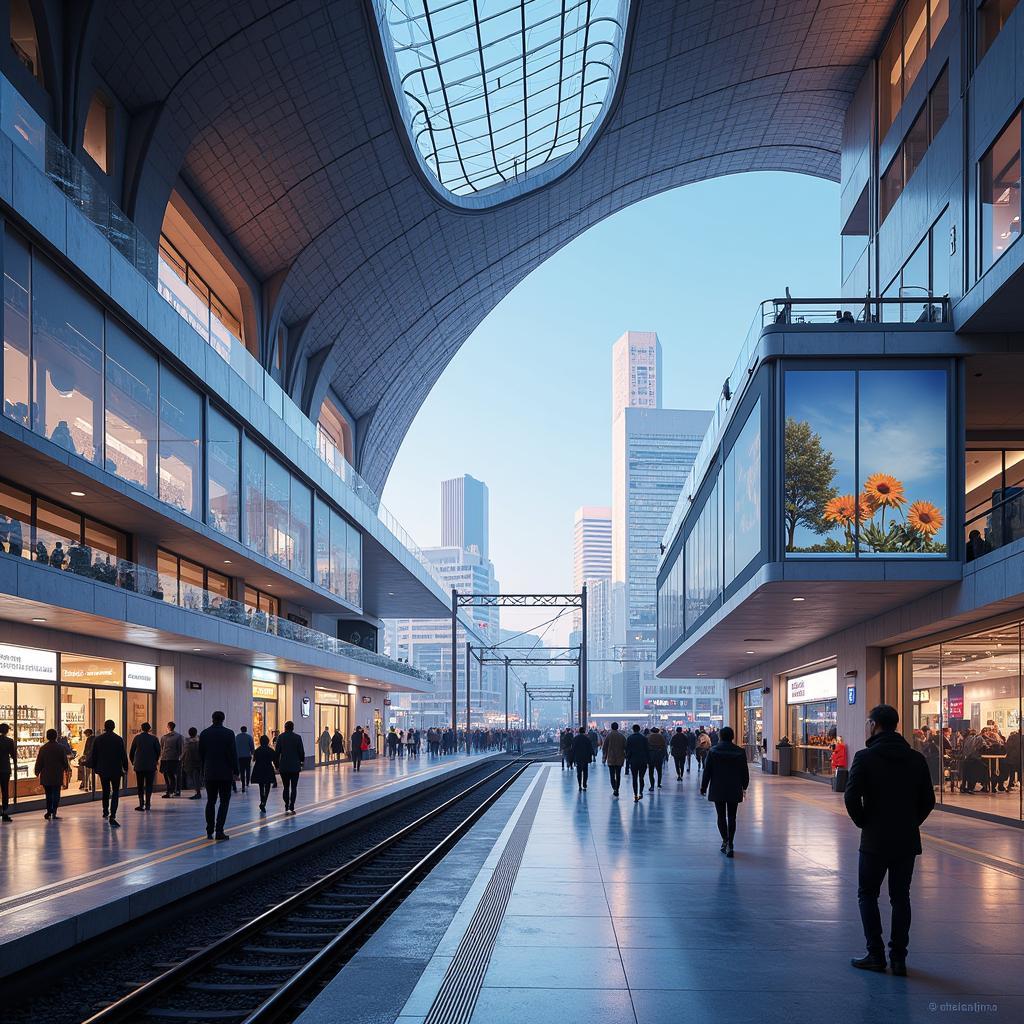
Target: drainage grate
[(456, 999)]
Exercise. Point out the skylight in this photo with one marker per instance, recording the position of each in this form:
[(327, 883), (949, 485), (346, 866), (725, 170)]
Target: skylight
[(493, 90)]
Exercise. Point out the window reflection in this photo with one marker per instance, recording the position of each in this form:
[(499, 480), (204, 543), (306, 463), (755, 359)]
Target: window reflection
[(743, 497), (703, 566), (17, 345), (999, 185), (181, 418), (131, 409), (223, 438)]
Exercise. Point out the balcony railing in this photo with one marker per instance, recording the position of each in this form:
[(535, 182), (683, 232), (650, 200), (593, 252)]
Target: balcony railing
[(994, 524), (21, 540), (840, 314)]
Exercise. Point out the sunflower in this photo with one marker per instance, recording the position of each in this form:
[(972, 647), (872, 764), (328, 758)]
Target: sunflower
[(867, 506), (885, 490), (924, 517), (841, 510)]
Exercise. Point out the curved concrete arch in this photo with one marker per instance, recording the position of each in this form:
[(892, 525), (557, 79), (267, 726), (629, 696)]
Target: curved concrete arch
[(278, 117)]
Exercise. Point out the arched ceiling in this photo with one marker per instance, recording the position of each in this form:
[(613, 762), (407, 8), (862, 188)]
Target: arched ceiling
[(277, 115)]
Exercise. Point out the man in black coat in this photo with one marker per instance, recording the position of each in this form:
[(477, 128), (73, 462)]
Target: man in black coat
[(219, 755), (582, 755), (109, 760), (888, 795), (356, 748), (290, 756), (726, 777), (637, 757)]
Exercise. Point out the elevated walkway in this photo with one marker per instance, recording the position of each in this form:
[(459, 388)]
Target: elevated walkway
[(67, 881), (569, 908)]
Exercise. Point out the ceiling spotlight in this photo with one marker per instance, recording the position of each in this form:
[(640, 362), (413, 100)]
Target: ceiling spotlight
[(37, 619), (799, 598), (750, 652), (78, 494), (197, 648), (227, 561)]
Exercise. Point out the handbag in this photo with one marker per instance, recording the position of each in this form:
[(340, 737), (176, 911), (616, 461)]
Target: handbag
[(839, 780)]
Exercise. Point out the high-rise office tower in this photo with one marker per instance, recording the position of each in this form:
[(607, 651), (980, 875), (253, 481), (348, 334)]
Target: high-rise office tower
[(592, 565), (464, 514), (653, 450), (592, 545)]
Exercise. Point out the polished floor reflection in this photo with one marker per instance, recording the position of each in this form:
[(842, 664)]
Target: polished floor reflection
[(624, 912)]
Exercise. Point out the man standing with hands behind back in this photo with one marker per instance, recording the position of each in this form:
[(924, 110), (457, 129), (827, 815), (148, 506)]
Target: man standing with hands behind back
[(888, 795)]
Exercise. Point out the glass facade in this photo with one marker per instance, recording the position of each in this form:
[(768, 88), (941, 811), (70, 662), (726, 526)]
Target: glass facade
[(992, 16), (181, 439), (743, 497), (703, 559), (866, 462), (223, 441), (132, 416), (994, 507), (904, 53), (999, 182), (962, 706), (17, 328)]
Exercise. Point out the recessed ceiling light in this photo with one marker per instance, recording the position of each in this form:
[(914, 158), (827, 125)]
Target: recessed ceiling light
[(37, 619), (799, 598), (78, 494), (227, 561), (391, 593), (750, 652), (197, 648)]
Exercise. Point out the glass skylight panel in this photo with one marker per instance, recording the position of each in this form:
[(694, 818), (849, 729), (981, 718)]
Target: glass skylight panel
[(495, 89)]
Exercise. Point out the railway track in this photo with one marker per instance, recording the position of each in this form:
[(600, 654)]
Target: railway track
[(267, 969)]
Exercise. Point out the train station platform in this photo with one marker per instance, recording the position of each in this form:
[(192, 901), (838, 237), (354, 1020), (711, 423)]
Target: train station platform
[(570, 908), (67, 881)]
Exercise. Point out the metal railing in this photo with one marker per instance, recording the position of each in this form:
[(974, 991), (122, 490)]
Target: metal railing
[(997, 524), (19, 539), (789, 312)]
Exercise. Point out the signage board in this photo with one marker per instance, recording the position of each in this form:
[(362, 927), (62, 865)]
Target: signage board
[(265, 675), (265, 691), (367, 700), (193, 684), (76, 668), (812, 686), (140, 677), (851, 695), (27, 663)]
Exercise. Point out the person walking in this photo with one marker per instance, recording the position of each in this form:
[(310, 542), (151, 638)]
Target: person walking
[(85, 762), (245, 748), (888, 796), (703, 746), (614, 749), (263, 770), (678, 747), (657, 750), (582, 755), (192, 765), (8, 755), (565, 747), (637, 756), (324, 743), (219, 756), (109, 761), (172, 746), (51, 769), (356, 748), (337, 745), (725, 779), (290, 758), (144, 755), (691, 748), (392, 743)]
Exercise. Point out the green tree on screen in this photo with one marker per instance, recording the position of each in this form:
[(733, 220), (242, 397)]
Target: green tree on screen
[(810, 470)]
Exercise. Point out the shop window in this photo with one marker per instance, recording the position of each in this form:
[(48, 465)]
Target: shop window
[(67, 363), (743, 497), (992, 16), (999, 188), (17, 326), (97, 135), (131, 409), (865, 462), (181, 418), (25, 38), (811, 698), (222, 469), (255, 462)]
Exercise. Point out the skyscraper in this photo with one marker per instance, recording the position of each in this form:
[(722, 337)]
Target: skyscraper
[(592, 545), (653, 450), (464, 514), (592, 565)]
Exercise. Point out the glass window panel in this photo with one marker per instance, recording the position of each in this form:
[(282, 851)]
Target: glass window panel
[(301, 510), (255, 496), (167, 570), (354, 568), (222, 441), (743, 497), (915, 49), (131, 409), (702, 557), (999, 185), (17, 348), (902, 438), (992, 16), (914, 285), (820, 499), (915, 145), (940, 258), (938, 103), (339, 547), (104, 540), (217, 583), (890, 79), (983, 479), (181, 419), (192, 583), (36, 712), (279, 541), (322, 543), (891, 311), (937, 19), (15, 521), (57, 529), (890, 186), (67, 363)]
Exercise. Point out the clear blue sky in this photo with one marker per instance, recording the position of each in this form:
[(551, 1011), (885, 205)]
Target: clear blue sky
[(525, 404)]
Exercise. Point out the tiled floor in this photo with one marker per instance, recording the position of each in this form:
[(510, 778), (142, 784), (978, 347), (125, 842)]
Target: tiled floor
[(628, 914), (66, 880)]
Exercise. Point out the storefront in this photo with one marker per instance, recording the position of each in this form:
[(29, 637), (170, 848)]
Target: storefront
[(962, 700), (266, 702), (751, 719), (74, 694), (811, 704), (332, 712)]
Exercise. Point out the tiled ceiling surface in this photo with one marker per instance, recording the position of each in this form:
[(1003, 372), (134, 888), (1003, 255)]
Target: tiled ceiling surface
[(277, 115)]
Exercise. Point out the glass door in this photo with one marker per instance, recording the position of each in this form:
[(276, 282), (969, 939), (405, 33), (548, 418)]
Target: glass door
[(76, 721), (264, 719)]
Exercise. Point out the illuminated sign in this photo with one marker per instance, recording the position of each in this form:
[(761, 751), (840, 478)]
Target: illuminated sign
[(75, 668), (265, 691), (821, 685), (27, 663), (140, 677), (264, 675)]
